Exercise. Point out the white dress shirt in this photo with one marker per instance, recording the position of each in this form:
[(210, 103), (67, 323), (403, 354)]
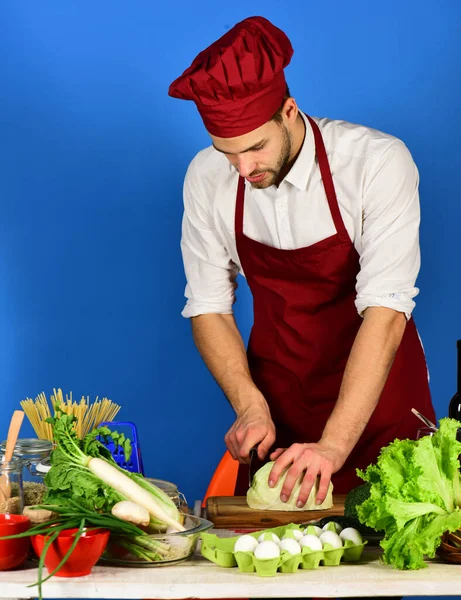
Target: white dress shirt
[(376, 184)]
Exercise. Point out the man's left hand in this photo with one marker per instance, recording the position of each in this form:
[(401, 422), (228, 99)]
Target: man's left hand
[(315, 460)]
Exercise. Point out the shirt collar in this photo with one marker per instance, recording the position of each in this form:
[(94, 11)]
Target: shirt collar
[(301, 170)]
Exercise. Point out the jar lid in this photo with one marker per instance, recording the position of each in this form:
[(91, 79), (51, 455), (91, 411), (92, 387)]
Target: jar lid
[(15, 464), (166, 486), (27, 446)]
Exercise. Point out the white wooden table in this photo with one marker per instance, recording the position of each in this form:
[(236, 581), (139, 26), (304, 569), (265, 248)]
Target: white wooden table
[(198, 578)]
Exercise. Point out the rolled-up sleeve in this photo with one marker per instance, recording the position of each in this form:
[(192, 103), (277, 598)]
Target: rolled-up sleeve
[(390, 253), (210, 272)]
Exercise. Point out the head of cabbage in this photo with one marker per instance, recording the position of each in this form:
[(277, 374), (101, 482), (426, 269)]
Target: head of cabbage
[(262, 497)]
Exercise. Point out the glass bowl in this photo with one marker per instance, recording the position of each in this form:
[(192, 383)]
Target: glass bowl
[(166, 548)]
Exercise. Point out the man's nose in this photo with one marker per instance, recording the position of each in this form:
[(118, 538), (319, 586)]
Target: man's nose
[(245, 166)]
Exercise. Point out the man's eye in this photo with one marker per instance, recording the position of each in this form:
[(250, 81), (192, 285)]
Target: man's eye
[(258, 148)]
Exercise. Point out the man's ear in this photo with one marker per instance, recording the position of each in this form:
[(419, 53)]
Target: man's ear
[(290, 110)]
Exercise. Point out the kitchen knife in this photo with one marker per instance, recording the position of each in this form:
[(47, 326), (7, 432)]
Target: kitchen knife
[(253, 466)]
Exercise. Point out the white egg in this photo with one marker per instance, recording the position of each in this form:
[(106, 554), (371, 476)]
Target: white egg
[(290, 545), (332, 538), (267, 549), (311, 541), (352, 535), (245, 543), (292, 534), (269, 536), (297, 534), (313, 530), (328, 526)]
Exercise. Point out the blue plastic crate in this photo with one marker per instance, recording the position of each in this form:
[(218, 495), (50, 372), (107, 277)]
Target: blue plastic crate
[(135, 463)]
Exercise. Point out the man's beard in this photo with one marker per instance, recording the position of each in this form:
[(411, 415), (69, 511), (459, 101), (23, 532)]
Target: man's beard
[(272, 175)]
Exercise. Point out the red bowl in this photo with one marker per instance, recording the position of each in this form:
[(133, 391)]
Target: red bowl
[(13, 552), (85, 555)]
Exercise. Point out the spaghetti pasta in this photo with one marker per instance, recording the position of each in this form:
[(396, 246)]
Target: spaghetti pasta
[(89, 415)]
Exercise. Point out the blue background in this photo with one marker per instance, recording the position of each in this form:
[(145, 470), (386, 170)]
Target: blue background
[(92, 158)]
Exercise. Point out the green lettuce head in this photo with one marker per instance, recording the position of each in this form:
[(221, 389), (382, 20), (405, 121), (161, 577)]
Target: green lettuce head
[(415, 495)]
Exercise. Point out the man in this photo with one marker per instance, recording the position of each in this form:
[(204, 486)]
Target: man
[(322, 219)]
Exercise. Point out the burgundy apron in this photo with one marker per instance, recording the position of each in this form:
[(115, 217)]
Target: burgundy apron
[(305, 322)]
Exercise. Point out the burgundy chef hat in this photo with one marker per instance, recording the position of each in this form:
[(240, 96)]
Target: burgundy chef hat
[(238, 82)]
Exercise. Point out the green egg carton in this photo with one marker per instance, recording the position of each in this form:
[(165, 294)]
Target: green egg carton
[(221, 552)]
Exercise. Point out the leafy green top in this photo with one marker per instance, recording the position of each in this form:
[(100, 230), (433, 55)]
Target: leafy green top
[(70, 480)]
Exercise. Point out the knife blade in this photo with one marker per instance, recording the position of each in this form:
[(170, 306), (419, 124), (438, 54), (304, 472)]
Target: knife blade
[(253, 465)]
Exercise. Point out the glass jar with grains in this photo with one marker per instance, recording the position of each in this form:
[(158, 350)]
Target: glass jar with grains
[(11, 488), (171, 490)]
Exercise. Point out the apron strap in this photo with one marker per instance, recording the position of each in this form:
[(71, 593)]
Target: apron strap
[(239, 207), (327, 179)]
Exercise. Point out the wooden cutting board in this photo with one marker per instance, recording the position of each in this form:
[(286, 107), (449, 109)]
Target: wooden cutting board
[(227, 512)]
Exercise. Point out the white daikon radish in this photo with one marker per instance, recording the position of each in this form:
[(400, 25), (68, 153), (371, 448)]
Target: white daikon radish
[(131, 512), (131, 490)]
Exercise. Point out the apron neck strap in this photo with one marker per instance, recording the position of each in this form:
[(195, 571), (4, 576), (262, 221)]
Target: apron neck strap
[(327, 179), (239, 207)]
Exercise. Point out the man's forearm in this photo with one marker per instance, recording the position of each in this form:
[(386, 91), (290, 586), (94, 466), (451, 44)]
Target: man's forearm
[(219, 342), (364, 378)]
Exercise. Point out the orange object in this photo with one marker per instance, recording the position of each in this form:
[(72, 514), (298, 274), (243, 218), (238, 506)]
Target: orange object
[(224, 478)]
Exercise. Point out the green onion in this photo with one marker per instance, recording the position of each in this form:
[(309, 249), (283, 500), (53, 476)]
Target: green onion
[(138, 551), (77, 536), (41, 561)]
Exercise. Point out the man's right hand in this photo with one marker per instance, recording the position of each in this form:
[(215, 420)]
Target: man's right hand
[(253, 427)]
